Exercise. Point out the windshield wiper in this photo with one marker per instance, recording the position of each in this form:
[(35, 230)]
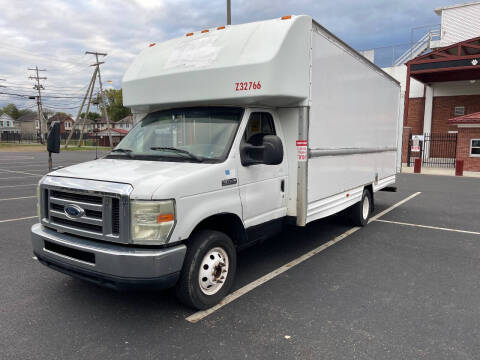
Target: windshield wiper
[(128, 152), (181, 151)]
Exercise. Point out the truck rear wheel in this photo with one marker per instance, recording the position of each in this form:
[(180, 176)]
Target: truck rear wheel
[(361, 211), (208, 270)]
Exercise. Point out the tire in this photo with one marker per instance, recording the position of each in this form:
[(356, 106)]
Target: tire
[(201, 285), (360, 212)]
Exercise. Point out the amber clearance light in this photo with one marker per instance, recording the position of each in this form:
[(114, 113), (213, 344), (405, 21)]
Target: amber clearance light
[(165, 218)]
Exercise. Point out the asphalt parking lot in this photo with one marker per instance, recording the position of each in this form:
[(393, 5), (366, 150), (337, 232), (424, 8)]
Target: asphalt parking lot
[(404, 287)]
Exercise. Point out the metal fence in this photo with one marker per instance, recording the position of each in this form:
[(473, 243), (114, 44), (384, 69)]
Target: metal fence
[(88, 139), (434, 149), (439, 150)]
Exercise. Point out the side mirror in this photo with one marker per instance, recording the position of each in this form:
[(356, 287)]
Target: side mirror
[(269, 153), (53, 138), (273, 150)]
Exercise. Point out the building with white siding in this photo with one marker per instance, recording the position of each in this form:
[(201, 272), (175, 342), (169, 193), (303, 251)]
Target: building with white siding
[(458, 23), (7, 124)]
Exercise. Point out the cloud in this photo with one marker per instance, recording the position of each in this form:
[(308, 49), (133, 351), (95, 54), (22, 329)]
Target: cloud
[(54, 34)]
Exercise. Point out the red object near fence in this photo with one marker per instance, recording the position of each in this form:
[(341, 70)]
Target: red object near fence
[(418, 166), (459, 168)]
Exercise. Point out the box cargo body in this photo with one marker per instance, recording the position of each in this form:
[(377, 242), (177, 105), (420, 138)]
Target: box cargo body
[(324, 92), (243, 128)]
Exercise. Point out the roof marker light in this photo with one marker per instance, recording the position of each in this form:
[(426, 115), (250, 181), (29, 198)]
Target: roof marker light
[(286, 17), (189, 34), (152, 44), (204, 31), (220, 27)]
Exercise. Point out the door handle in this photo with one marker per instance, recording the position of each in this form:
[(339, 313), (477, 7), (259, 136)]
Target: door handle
[(282, 185)]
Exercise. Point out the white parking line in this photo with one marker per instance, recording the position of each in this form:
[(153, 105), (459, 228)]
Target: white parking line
[(199, 315), (19, 198), (29, 166), (13, 158), (20, 177), (20, 172), (430, 227), (17, 219), (11, 186), (18, 163)]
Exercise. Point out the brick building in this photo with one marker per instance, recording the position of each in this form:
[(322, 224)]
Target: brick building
[(468, 140), (66, 122), (440, 76)]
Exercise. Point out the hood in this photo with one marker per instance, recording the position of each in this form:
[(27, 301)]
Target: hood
[(145, 176)]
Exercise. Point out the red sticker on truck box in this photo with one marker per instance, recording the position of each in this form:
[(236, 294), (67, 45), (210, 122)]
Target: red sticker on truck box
[(302, 150)]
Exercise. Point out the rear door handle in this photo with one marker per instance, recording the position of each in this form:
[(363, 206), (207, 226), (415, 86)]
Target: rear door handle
[(282, 185)]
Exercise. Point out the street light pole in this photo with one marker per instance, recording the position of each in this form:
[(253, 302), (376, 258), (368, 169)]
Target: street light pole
[(229, 12)]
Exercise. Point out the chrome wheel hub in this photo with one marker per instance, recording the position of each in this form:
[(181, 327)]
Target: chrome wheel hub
[(213, 271)]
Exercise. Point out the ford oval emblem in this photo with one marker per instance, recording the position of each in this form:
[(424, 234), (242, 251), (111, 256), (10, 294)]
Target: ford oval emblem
[(73, 211)]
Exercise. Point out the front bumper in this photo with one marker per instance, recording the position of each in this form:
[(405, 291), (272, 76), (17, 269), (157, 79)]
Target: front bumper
[(107, 264)]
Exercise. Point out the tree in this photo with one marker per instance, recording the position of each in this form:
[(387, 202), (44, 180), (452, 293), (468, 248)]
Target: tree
[(114, 103), (11, 110), (91, 115)]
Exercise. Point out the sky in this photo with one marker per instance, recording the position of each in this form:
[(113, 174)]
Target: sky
[(54, 34)]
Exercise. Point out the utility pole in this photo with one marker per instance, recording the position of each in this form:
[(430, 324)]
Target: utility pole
[(39, 87), (91, 85), (88, 109), (102, 95), (229, 12)]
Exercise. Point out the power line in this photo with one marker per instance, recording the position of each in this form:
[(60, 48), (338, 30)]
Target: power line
[(44, 96), (68, 62)]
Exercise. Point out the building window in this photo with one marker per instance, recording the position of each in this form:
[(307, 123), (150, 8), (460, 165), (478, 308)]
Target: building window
[(475, 148), (459, 110)]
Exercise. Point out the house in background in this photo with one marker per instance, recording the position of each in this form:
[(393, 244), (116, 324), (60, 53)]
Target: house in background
[(29, 125), (118, 129), (7, 125), (101, 124), (117, 135), (66, 122), (125, 124)]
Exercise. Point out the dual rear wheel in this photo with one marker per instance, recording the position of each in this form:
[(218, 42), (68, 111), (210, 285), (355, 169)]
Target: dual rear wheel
[(360, 213)]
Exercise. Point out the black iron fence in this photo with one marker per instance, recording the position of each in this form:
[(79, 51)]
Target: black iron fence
[(434, 149), (89, 139), (11, 137)]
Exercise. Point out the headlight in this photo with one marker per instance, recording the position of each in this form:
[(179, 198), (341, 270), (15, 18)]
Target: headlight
[(152, 221)]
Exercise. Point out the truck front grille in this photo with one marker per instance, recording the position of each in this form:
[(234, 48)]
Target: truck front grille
[(75, 224), (76, 197), (99, 213)]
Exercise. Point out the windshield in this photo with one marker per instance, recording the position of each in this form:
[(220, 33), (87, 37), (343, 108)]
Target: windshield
[(202, 134)]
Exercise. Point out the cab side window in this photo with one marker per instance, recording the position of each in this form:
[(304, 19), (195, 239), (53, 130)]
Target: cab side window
[(259, 125)]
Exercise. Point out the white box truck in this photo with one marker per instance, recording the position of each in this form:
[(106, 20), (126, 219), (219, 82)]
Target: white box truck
[(245, 128)]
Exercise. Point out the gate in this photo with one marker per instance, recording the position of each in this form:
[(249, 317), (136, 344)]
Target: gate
[(436, 150), (439, 150)]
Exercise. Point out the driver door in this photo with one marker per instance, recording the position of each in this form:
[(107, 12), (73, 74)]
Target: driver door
[(262, 187)]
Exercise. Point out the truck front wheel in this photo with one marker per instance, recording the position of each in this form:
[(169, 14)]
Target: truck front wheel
[(208, 269)]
